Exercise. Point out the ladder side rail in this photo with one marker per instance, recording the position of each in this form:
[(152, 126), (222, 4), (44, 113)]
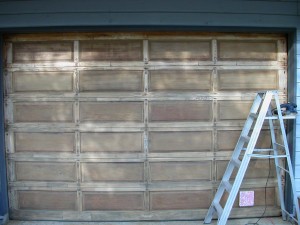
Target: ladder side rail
[(246, 159), (240, 143), (228, 172), (278, 170), (209, 214), (287, 152)]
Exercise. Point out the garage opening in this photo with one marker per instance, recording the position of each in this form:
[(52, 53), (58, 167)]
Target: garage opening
[(133, 126)]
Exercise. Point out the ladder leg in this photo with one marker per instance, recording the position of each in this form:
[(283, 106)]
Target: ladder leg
[(245, 162), (228, 172), (262, 104), (209, 215), (278, 171), (289, 163), (235, 188)]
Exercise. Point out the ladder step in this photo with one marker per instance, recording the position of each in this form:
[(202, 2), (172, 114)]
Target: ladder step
[(261, 92), (227, 185), (253, 115), (260, 149), (271, 118), (245, 138), (279, 145), (236, 162), (218, 208), (287, 117), (267, 156), (283, 169)]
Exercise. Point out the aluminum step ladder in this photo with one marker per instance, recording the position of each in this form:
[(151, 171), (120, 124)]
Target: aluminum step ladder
[(245, 150)]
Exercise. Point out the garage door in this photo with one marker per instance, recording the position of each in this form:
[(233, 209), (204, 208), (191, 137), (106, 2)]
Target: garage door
[(134, 126)]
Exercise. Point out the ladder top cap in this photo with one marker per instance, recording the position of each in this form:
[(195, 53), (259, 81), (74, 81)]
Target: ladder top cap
[(265, 91)]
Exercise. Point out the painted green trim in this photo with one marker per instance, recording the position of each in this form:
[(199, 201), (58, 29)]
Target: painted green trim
[(3, 180)]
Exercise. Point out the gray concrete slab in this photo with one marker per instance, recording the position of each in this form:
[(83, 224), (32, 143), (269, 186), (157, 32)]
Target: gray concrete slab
[(251, 221)]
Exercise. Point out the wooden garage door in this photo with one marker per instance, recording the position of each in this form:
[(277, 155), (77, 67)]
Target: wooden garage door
[(133, 126)]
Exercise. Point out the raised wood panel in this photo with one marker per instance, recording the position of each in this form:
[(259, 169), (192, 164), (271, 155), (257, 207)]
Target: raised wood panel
[(248, 80), (180, 141), (45, 171), (180, 171), (27, 52), (233, 110), (43, 112), (94, 201), (227, 139), (111, 111), (180, 111), (42, 81), (92, 172), (247, 50), (180, 80), (111, 142), (110, 80), (111, 50), (180, 200), (47, 200), (262, 197), (258, 168), (180, 50), (44, 142)]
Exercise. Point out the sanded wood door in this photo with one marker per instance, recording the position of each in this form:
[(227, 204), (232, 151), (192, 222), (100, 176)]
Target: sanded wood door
[(133, 126)]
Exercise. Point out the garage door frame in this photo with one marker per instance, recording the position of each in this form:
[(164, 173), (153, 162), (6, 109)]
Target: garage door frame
[(291, 95), (3, 180)]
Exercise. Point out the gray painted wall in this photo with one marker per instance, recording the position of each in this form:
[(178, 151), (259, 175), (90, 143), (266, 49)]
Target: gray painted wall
[(297, 164), (33, 13), (238, 15)]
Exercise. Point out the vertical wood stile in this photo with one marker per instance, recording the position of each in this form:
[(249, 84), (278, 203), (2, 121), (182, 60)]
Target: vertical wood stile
[(282, 82), (11, 170), (13, 199), (8, 83), (10, 142), (79, 200), (214, 139), (76, 71), (214, 80), (9, 54), (146, 121), (282, 51), (214, 51), (146, 51), (77, 122), (9, 112)]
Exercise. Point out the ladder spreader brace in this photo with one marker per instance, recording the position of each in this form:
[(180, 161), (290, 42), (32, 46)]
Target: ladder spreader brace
[(260, 111)]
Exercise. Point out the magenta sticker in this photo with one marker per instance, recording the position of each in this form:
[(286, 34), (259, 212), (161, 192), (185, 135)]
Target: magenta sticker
[(246, 198)]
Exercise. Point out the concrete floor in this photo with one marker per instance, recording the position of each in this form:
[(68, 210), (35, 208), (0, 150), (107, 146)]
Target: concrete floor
[(263, 221)]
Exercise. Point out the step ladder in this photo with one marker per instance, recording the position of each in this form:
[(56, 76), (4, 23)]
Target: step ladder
[(260, 111)]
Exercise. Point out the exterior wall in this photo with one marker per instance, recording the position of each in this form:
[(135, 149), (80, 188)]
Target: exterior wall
[(230, 13), (191, 14), (297, 161)]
